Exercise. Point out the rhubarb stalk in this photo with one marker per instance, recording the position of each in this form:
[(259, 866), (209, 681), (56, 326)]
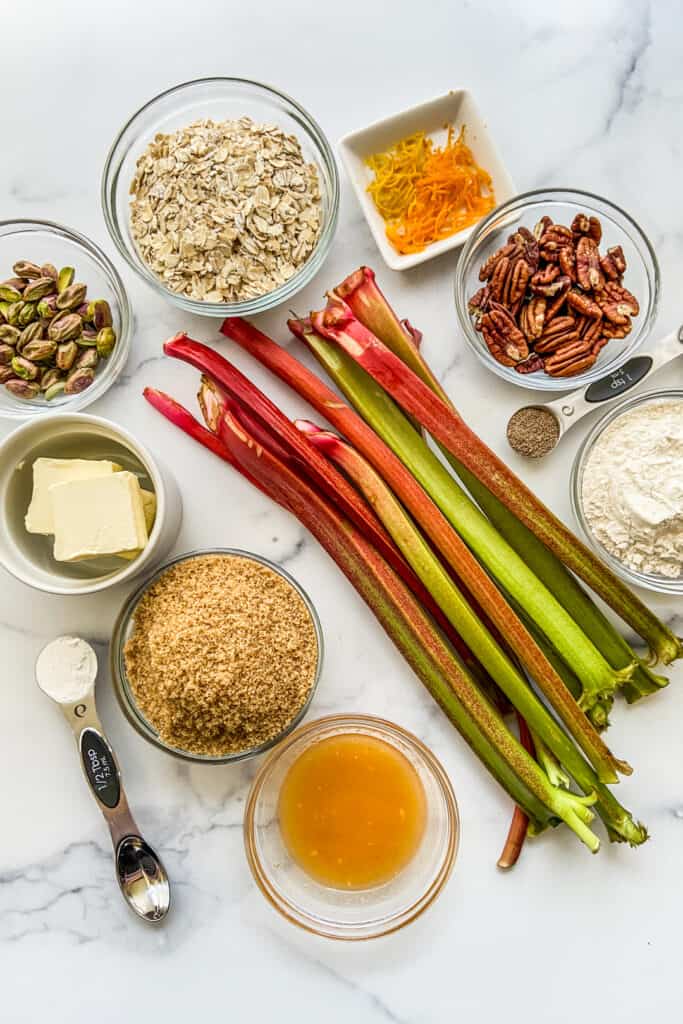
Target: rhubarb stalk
[(519, 826), (432, 573), (408, 626), (379, 410), (338, 324), (369, 304)]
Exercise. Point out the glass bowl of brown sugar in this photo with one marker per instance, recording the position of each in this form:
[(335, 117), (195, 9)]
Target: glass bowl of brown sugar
[(217, 656)]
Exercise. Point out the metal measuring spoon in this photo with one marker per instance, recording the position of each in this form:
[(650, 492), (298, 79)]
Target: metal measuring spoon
[(65, 672), (569, 410)]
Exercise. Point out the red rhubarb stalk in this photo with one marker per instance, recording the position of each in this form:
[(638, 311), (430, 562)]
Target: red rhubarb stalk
[(410, 493), (519, 826), (338, 324)]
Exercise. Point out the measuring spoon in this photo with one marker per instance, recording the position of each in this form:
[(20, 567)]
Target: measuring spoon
[(574, 406), (65, 671)]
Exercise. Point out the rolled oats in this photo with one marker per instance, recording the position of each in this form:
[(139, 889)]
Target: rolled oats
[(225, 211)]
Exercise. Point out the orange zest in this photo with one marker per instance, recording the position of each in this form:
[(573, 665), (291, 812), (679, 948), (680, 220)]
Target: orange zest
[(425, 193)]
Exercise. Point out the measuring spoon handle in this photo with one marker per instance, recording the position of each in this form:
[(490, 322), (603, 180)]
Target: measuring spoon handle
[(574, 406), (100, 768)]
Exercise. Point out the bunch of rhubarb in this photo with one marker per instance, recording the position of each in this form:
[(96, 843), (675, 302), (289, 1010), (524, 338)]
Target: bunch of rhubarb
[(477, 588)]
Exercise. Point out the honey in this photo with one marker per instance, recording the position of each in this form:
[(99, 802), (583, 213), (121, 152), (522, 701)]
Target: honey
[(352, 811)]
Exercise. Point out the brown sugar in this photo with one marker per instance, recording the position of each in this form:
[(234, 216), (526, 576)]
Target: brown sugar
[(223, 654)]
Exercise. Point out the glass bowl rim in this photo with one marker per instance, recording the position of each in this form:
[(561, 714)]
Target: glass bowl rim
[(120, 678), (659, 584), (114, 365), (278, 295), (546, 383), (399, 919)]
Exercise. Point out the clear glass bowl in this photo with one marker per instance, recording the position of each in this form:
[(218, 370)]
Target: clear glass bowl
[(641, 277), (219, 99), (42, 241), (123, 629), (662, 584), (358, 914)]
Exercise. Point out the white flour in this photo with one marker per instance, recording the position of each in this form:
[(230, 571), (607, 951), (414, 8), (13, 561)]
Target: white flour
[(632, 489), (66, 669)]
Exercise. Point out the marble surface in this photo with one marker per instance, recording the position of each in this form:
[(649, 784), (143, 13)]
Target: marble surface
[(587, 95)]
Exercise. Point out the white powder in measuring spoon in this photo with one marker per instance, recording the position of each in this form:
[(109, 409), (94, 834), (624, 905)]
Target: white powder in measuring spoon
[(66, 669), (632, 489)]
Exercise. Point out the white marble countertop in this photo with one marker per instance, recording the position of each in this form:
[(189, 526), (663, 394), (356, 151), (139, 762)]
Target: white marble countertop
[(588, 96)]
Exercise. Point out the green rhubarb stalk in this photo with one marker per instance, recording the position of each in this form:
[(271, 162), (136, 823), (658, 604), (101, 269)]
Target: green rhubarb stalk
[(413, 633), (361, 293), (439, 583), (376, 407), (338, 324)]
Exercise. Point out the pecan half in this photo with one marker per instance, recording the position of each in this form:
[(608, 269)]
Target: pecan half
[(542, 226), (555, 238), (567, 261), (545, 276), (516, 282), (585, 225), (489, 265), (617, 303), (499, 277), (598, 345), (609, 268), (590, 329), (527, 246), (556, 335), (583, 304), (612, 330), (479, 304), (505, 341), (570, 369), (557, 287), (588, 272), (556, 306), (530, 365), (616, 254), (565, 357), (532, 318)]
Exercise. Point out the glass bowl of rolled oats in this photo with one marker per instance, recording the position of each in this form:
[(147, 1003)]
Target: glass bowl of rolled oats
[(222, 194)]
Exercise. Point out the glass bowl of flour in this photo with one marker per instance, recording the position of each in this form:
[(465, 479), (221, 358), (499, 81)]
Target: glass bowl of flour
[(627, 490)]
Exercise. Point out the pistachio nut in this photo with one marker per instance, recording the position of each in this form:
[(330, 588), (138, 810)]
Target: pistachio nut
[(22, 388), (106, 339), (99, 313), (82, 310), (88, 339), (30, 333), (17, 283), (4, 307), (24, 268), (38, 289), (49, 270), (24, 368), (39, 350), (6, 373), (64, 327), (9, 294), (26, 313), (88, 359), (49, 376), (78, 380), (13, 311), (71, 297), (66, 355), (55, 390), (6, 354), (65, 278), (47, 306), (10, 335)]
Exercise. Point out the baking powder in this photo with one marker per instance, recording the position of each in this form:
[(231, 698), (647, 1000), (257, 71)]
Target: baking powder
[(66, 669), (632, 488)]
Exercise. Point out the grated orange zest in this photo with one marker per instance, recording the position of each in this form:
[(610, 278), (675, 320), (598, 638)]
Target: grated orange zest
[(425, 193)]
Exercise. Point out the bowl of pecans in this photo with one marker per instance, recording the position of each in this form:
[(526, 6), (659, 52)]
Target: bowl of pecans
[(556, 288), (223, 195)]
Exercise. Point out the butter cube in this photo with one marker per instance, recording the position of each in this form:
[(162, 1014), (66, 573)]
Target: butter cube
[(47, 472), (98, 516)]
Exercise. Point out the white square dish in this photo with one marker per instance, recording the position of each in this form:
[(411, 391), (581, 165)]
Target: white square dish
[(457, 108)]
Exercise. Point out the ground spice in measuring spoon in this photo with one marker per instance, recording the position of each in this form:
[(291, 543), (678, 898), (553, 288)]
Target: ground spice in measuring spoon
[(533, 431)]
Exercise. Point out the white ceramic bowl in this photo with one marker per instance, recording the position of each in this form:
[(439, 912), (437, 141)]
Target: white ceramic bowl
[(458, 108), (70, 435)]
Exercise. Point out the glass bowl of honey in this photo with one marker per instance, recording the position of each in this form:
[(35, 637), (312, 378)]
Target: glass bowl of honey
[(351, 828)]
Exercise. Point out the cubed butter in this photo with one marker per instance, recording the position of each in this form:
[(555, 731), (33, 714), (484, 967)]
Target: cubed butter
[(99, 516), (46, 473)]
